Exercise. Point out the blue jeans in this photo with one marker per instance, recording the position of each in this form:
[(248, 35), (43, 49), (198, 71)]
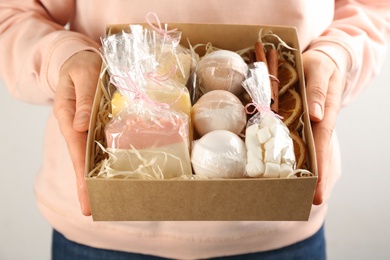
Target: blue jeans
[(310, 248)]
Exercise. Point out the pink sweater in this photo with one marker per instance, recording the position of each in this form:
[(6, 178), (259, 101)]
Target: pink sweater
[(34, 44)]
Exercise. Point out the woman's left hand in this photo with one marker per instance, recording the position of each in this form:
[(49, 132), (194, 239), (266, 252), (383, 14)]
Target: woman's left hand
[(324, 88)]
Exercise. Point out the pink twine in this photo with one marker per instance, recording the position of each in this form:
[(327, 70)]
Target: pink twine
[(275, 78), (261, 109), (138, 94), (158, 29)]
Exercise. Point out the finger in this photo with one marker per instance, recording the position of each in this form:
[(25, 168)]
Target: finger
[(64, 108), (320, 129), (76, 142), (323, 131), (76, 145)]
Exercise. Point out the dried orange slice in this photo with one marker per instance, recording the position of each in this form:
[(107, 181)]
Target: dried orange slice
[(299, 149), (287, 76), (290, 106)]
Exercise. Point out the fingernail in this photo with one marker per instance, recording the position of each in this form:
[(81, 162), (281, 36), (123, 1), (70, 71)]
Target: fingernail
[(316, 110), (81, 119)]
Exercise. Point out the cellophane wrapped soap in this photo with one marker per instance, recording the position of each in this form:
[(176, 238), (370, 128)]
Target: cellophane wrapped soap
[(149, 140), (148, 135)]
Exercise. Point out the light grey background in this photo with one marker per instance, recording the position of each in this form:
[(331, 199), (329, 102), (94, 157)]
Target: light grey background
[(357, 226)]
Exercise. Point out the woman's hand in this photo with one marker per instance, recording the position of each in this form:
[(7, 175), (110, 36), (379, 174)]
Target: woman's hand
[(324, 88), (72, 108)]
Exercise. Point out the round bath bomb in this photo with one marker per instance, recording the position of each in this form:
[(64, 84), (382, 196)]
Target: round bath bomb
[(219, 154), (218, 110), (221, 69)]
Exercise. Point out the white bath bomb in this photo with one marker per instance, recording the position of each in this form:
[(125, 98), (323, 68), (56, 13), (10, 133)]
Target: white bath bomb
[(218, 110), (219, 154), (221, 69)]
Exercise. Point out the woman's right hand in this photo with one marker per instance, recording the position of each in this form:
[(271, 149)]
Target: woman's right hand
[(72, 108)]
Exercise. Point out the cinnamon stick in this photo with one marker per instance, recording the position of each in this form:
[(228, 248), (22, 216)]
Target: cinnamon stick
[(259, 53), (273, 64), (251, 57)]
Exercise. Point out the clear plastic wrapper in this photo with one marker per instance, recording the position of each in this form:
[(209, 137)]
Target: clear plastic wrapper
[(168, 52), (169, 91), (148, 135), (147, 139), (155, 60), (218, 110), (165, 90), (129, 55), (220, 154), (177, 57), (220, 70), (270, 150)]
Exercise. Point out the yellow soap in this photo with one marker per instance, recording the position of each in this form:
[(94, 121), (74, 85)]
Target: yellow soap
[(118, 102), (179, 62), (177, 98), (172, 93)]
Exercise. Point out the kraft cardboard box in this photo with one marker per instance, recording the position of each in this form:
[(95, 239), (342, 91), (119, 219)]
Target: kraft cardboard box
[(261, 199)]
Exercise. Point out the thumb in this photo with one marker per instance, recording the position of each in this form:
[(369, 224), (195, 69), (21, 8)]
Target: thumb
[(85, 81), (317, 74), (83, 112)]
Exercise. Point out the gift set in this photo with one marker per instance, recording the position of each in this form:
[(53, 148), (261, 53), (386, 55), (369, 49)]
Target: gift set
[(200, 122)]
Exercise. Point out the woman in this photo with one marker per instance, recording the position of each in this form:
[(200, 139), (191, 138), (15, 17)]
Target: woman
[(49, 55)]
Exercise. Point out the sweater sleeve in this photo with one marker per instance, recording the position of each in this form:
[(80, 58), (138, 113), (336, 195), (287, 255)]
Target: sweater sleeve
[(357, 40), (34, 45)]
